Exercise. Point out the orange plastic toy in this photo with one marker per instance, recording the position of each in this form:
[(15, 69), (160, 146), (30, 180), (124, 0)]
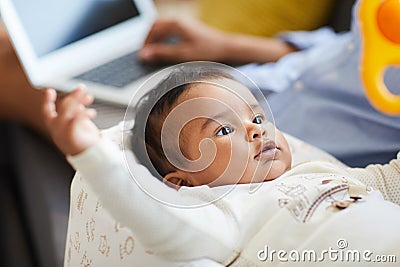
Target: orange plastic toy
[(380, 31)]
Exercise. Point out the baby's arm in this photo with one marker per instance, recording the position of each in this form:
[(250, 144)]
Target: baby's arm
[(173, 232), (385, 178), (69, 121)]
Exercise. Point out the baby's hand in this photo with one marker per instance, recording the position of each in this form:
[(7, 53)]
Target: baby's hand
[(69, 121)]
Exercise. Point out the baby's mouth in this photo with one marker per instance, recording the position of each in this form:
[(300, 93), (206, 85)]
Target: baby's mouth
[(268, 151)]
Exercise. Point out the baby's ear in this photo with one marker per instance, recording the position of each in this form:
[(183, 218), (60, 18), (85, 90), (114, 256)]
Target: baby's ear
[(175, 179)]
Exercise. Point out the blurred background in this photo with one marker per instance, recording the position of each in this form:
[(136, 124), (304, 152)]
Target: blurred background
[(261, 17)]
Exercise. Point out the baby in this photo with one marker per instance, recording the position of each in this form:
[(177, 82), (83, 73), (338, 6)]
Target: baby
[(205, 135)]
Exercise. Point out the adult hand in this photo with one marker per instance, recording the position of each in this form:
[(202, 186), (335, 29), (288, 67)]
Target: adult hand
[(196, 41), (69, 122), (200, 42)]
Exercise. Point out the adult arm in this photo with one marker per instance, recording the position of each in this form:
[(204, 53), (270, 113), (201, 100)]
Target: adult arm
[(19, 100)]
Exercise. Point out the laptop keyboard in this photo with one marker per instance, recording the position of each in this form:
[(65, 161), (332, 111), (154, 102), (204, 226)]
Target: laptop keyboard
[(119, 72)]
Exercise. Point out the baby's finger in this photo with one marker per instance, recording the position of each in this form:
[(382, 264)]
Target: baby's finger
[(82, 114), (49, 106), (68, 107), (88, 100), (73, 105), (91, 113), (81, 95)]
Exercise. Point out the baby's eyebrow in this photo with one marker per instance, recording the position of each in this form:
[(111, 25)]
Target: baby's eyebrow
[(214, 119), (255, 107)]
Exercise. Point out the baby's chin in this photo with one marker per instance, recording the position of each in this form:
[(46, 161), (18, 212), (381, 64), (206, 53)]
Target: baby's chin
[(277, 169)]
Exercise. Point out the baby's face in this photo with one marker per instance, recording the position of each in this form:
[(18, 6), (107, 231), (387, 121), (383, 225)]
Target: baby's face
[(224, 137)]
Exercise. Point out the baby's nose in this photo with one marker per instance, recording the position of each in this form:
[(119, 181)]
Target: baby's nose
[(255, 131)]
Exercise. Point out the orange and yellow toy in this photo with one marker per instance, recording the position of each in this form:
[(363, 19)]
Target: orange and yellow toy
[(380, 32)]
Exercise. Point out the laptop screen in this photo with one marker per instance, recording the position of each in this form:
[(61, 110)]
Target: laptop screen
[(53, 24)]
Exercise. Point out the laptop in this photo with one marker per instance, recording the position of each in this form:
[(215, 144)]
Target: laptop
[(62, 43)]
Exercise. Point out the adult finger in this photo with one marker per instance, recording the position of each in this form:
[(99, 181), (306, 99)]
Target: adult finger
[(162, 29), (162, 53)]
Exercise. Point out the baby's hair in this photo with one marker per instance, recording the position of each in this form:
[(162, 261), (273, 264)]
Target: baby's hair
[(155, 105)]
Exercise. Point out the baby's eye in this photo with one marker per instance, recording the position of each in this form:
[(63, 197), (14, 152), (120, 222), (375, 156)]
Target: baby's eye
[(258, 119), (225, 130)]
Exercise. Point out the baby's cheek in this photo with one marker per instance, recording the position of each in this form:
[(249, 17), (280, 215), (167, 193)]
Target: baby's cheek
[(221, 158), (236, 156), (224, 153)]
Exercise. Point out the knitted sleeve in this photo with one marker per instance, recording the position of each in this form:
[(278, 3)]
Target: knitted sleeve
[(385, 178)]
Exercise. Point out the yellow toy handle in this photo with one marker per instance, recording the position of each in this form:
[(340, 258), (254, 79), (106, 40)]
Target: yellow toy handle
[(379, 24)]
